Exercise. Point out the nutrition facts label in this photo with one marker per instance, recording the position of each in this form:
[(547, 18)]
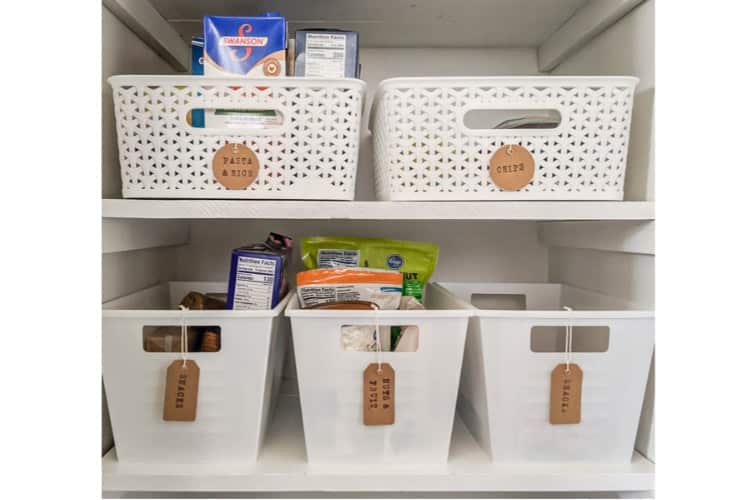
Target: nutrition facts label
[(325, 55), (254, 283), (337, 258)]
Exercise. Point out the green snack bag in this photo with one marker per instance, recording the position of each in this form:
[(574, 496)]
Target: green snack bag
[(320, 252), (415, 260)]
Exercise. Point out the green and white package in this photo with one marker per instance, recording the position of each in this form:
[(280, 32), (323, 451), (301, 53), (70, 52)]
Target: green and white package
[(415, 260)]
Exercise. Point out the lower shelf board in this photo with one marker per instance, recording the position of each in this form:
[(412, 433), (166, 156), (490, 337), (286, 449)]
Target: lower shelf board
[(282, 467), (377, 210)]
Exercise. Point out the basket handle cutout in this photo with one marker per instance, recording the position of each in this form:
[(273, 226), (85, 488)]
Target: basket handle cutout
[(236, 120), (585, 339), (501, 301), (510, 120), (166, 338)]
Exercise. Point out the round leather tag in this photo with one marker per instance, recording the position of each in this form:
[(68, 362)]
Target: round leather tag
[(235, 166), (512, 167)]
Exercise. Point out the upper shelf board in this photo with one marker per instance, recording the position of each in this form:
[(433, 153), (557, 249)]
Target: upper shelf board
[(377, 210), (397, 23)]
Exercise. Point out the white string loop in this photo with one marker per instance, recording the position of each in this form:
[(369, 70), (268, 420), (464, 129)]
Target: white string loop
[(183, 335), (568, 339), (377, 338)]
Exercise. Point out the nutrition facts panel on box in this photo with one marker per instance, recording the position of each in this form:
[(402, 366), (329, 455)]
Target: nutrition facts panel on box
[(337, 258), (326, 55), (254, 283)]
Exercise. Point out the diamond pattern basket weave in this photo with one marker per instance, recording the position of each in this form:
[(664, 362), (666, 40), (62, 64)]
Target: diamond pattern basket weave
[(424, 151), (311, 155)]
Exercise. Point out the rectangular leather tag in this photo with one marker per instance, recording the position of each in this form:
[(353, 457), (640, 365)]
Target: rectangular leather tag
[(181, 393), (565, 395), (379, 396)]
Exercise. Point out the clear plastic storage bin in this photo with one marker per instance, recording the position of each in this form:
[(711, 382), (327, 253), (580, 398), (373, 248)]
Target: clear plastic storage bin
[(433, 138), (308, 149), (510, 354), (426, 384), (237, 388)]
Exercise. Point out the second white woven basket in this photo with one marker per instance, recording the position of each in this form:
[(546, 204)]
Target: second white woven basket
[(424, 151)]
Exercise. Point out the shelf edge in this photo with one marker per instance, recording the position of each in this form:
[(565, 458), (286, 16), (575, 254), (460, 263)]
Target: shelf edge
[(378, 210)]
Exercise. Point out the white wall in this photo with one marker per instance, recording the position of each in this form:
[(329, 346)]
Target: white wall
[(122, 273), (469, 251), (622, 275)]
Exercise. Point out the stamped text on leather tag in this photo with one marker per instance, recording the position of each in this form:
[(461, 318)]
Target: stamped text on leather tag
[(235, 166), (512, 167), (565, 395), (181, 394), (379, 395)]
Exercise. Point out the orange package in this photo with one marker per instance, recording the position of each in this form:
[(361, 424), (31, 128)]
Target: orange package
[(377, 288)]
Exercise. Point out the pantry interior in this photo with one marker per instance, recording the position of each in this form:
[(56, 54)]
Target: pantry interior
[(601, 246)]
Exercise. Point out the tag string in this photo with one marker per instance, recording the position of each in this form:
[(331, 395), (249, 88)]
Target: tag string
[(183, 335), (568, 339), (377, 337)]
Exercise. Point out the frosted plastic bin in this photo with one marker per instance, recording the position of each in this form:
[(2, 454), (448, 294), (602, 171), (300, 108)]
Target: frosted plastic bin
[(505, 386), (312, 154), (429, 146), (237, 388), (331, 379)]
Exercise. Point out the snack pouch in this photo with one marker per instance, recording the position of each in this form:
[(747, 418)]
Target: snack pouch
[(416, 261), (353, 286)]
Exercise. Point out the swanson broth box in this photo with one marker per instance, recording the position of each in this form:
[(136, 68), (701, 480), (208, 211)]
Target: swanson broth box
[(253, 47)]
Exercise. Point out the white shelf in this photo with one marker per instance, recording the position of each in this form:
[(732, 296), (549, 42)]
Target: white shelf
[(377, 210), (282, 467)]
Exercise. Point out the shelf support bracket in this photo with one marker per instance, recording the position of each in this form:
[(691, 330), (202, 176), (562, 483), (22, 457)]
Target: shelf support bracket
[(587, 22), (146, 22), (122, 235), (620, 236)]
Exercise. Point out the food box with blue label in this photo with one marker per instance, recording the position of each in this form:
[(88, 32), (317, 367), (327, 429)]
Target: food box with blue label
[(253, 47), (257, 279)]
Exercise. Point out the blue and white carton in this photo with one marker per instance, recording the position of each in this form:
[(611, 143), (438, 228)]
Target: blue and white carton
[(257, 276), (253, 47)]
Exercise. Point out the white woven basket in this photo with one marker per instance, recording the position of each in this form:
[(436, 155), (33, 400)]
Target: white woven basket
[(424, 151), (311, 155)]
